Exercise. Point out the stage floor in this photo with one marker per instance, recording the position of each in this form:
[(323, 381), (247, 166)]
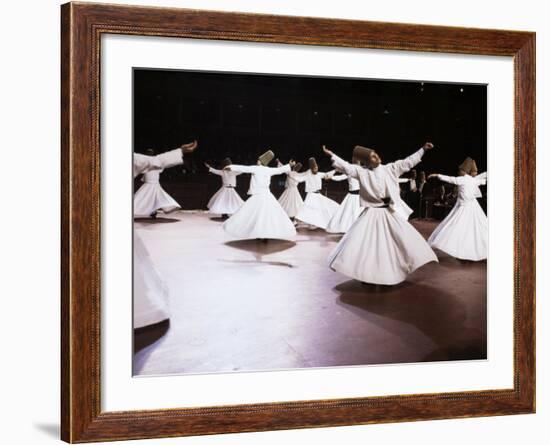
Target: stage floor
[(249, 305)]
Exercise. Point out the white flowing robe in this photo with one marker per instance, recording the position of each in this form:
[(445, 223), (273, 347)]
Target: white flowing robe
[(261, 216), (150, 291), (317, 209), (381, 247), (226, 200), (349, 209), (291, 200), (464, 232), (151, 197)]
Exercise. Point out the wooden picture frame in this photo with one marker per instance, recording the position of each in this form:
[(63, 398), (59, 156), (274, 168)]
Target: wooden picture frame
[(82, 26)]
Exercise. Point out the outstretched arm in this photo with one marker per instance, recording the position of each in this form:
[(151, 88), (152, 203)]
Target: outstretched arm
[(404, 165), (143, 163), (240, 168), (279, 170), (456, 180), (338, 163)]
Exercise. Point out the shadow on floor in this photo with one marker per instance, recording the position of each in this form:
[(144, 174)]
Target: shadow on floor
[(157, 220), (261, 247), (440, 315)]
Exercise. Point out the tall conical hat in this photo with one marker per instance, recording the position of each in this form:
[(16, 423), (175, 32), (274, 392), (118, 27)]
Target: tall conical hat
[(297, 167), (468, 166), (313, 165), (266, 158), (226, 162), (361, 154)]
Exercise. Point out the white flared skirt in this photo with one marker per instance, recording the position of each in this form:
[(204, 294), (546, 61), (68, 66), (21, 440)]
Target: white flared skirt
[(380, 248), (291, 201), (347, 213), (317, 210), (150, 292), (151, 197), (225, 201), (463, 233), (261, 216)]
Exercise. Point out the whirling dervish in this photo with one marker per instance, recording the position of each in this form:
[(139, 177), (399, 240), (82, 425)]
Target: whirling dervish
[(291, 200), (151, 197), (382, 247), (350, 208), (463, 234), (261, 216), (226, 200), (317, 209), (150, 291)]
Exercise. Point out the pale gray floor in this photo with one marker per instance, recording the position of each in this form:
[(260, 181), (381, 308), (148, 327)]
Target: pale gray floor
[(246, 305)]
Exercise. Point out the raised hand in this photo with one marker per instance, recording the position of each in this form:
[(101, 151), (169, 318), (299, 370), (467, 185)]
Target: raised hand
[(327, 151), (190, 147), (207, 165), (428, 146)]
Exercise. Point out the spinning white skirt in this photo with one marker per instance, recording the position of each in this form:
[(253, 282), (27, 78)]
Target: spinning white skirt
[(261, 216), (225, 201), (150, 292), (380, 248), (317, 210), (291, 201), (151, 197), (347, 213), (463, 233)]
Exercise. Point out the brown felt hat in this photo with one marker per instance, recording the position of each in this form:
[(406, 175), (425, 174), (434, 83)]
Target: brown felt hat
[(468, 166), (297, 167), (361, 154), (313, 165), (266, 158)]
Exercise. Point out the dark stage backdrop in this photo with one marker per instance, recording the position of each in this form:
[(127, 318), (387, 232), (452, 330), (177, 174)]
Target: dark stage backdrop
[(242, 115)]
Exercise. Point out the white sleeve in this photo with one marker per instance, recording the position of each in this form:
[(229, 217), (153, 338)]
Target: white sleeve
[(404, 165), (450, 179), (349, 169), (279, 170), (402, 180), (481, 179), (242, 168), (214, 171), (143, 163)]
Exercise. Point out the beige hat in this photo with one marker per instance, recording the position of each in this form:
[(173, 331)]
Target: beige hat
[(468, 166), (313, 165), (361, 154), (297, 167), (266, 158)]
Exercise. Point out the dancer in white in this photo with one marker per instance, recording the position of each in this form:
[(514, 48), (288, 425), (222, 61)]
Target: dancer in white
[(150, 291), (226, 200), (463, 233), (381, 247), (261, 216), (350, 208), (291, 200), (317, 209), (151, 197)]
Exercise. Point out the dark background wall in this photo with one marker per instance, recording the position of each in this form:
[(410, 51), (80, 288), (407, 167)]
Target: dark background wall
[(242, 115)]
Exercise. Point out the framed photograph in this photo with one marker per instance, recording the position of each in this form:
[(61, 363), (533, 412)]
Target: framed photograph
[(275, 222)]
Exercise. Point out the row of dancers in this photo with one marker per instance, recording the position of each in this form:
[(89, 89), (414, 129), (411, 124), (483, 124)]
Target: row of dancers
[(380, 246)]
